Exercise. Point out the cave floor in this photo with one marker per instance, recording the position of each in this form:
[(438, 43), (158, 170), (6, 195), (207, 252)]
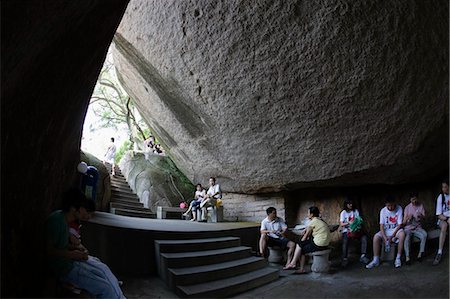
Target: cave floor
[(420, 280)]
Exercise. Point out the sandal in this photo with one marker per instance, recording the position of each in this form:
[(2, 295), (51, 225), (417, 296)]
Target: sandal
[(290, 267)]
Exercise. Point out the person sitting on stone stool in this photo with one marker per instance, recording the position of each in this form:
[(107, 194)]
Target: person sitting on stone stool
[(199, 196), (214, 193), (413, 215), (272, 228), (316, 238), (391, 231)]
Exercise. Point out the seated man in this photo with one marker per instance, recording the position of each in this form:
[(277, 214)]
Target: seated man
[(69, 262), (214, 193), (391, 218), (272, 228)]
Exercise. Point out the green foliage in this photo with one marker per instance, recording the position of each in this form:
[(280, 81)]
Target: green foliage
[(123, 148)]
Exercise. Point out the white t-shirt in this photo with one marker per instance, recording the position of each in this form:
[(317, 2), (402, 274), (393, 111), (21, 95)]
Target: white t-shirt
[(277, 224), (200, 194), (214, 189), (391, 220), (348, 217), (443, 207)]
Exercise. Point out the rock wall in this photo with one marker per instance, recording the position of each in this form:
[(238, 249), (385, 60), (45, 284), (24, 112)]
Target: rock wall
[(156, 180), (246, 207), (278, 95), (52, 53)]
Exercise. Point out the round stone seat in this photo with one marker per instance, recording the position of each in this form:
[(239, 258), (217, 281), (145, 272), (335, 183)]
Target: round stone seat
[(320, 261)]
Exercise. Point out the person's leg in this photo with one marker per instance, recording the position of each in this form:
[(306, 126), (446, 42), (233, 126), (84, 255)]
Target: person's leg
[(442, 236), (363, 258), (422, 235), (344, 245), (401, 237), (377, 239), (297, 254), (113, 172), (107, 273), (408, 234), (263, 244), (90, 279), (290, 253), (302, 264)]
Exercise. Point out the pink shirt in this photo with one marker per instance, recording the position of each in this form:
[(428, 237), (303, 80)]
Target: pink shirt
[(417, 212)]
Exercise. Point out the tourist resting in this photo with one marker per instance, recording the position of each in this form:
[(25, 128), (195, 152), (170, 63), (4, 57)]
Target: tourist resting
[(443, 213), (391, 219), (412, 217), (199, 196), (89, 180), (316, 238), (272, 228), (214, 193), (351, 230), (68, 261), (110, 156)]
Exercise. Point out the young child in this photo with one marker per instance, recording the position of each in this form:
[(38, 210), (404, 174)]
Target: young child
[(391, 219), (413, 214), (199, 196), (347, 216)]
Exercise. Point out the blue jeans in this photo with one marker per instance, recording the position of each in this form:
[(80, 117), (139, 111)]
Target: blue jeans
[(93, 280)]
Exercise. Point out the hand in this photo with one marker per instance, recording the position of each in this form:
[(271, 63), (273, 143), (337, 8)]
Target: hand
[(79, 255)]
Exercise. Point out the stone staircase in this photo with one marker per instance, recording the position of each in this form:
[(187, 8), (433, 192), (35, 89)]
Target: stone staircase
[(210, 268), (123, 200)]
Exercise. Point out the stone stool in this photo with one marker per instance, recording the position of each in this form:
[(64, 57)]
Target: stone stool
[(320, 261), (275, 255)]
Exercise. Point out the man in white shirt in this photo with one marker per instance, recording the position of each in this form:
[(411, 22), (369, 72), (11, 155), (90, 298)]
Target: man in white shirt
[(214, 193), (272, 228), (391, 231)]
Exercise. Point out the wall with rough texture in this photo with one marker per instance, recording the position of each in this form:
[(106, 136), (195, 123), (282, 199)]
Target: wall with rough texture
[(52, 53), (248, 207), (279, 95)]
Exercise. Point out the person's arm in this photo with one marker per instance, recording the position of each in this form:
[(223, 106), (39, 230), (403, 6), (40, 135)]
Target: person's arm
[(439, 211), (407, 217), (307, 233), (75, 254), (342, 223), (383, 233)]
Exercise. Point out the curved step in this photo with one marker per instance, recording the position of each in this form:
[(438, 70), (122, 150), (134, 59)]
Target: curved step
[(167, 246), (229, 286)]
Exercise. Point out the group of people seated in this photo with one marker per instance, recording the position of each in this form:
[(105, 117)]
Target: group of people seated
[(397, 226), (204, 199), (152, 146)]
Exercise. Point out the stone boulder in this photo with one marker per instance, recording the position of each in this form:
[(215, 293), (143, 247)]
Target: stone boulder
[(279, 95), (156, 180)]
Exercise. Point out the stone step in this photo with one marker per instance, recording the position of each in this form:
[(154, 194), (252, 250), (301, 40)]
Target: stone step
[(125, 195), (205, 257), (122, 188), (229, 286), (127, 206), (127, 201), (134, 213), (170, 246), (120, 184), (201, 274)]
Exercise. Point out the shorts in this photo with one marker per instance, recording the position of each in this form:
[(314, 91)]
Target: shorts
[(308, 246), (381, 236), (280, 242)]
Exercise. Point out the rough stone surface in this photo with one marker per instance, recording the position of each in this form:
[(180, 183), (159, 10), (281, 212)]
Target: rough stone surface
[(52, 53), (273, 95), (156, 180)]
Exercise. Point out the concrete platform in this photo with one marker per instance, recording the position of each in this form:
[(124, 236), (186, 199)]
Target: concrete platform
[(126, 244)]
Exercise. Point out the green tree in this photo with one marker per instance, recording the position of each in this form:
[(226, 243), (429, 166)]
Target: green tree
[(114, 106)]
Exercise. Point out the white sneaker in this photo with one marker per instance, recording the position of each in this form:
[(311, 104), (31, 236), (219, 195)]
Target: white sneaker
[(372, 264), (398, 263)]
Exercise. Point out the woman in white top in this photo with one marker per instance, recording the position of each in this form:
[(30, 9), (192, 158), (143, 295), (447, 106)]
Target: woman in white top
[(199, 196), (347, 216), (443, 213)]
